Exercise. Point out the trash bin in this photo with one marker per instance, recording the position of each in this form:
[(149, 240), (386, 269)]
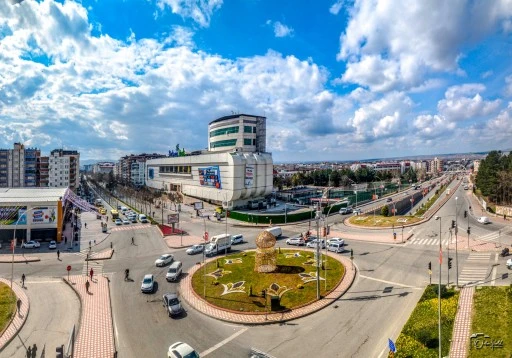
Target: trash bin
[(275, 305)]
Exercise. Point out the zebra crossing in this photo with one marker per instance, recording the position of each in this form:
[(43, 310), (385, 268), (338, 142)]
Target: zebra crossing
[(97, 267), (426, 241), (496, 235), (475, 269), (129, 227)]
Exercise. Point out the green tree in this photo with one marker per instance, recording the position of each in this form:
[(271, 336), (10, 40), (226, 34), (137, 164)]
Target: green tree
[(384, 211)]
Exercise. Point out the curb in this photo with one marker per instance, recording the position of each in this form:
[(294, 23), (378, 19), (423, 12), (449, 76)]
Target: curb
[(34, 259), (81, 305), (18, 329), (92, 258)]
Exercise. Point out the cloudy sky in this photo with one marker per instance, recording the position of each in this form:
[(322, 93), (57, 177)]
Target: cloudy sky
[(337, 79)]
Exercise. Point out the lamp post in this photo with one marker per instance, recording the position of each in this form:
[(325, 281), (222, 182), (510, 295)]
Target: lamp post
[(317, 253), (456, 249), (439, 287)]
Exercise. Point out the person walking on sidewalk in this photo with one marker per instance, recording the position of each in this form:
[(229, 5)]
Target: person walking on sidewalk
[(23, 280), (58, 254), (133, 240), (18, 305), (87, 284), (91, 273), (85, 224)]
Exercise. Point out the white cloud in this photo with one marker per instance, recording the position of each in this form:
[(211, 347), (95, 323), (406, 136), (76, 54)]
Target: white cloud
[(426, 37), (200, 11), (281, 30), (459, 105), (430, 127), (336, 7), (508, 85)]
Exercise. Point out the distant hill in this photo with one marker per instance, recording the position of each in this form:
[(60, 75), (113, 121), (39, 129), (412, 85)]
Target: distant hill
[(94, 161)]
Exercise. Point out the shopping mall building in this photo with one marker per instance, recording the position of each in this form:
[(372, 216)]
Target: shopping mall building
[(234, 170)]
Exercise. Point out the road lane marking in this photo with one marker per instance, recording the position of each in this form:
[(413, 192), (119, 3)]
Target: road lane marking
[(53, 281), (494, 270), (220, 344), (390, 282)]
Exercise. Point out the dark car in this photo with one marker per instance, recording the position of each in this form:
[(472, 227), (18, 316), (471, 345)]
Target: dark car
[(172, 304), (345, 211), (389, 199)]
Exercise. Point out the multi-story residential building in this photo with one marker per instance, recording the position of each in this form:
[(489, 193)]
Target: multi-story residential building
[(125, 165), (64, 169), (18, 166), (137, 171), (4, 167), (43, 171), (103, 167)]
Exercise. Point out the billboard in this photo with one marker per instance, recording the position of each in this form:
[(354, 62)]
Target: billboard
[(210, 176), (173, 218), (198, 205), (11, 215), (249, 176), (46, 215)]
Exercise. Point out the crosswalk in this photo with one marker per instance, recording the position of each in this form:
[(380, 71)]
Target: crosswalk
[(129, 227), (496, 235), (427, 241), (475, 269), (97, 267)]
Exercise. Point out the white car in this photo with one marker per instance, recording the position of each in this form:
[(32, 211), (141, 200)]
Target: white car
[(181, 350), (484, 220), (30, 245), (126, 221), (164, 260), (299, 241), (195, 249), (314, 243), (119, 222), (509, 263), (336, 239), (52, 245), (237, 239)]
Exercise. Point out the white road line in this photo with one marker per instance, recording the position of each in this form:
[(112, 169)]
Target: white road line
[(53, 281), (494, 270), (220, 344), (390, 282)]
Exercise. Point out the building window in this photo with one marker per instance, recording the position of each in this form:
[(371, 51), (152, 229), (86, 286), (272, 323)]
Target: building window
[(224, 131), (248, 129), (247, 141), (254, 142), (224, 143)]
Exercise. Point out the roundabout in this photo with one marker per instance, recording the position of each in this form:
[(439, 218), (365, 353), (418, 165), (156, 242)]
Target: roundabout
[(241, 288)]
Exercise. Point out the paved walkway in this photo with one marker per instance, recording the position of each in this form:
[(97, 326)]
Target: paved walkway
[(7, 258), (95, 338), (19, 317), (232, 316), (462, 325)]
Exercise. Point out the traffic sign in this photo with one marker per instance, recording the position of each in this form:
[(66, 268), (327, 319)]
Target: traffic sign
[(391, 345), (68, 268)]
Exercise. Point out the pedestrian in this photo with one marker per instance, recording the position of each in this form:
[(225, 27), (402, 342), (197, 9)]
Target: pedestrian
[(18, 304), (58, 254), (87, 284), (504, 216), (23, 280), (133, 241), (85, 224), (91, 273)]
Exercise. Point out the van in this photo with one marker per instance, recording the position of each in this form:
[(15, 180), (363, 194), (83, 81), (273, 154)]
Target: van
[(276, 231), (337, 247), (143, 218), (174, 271)]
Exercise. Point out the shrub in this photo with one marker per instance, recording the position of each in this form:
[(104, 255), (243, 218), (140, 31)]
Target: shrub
[(300, 286), (384, 211), (215, 283)]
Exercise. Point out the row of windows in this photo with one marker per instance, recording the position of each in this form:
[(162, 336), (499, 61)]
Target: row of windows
[(249, 129), (223, 131), (179, 169), (223, 143), (249, 141)]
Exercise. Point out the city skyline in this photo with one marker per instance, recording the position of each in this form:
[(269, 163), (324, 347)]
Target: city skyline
[(337, 80)]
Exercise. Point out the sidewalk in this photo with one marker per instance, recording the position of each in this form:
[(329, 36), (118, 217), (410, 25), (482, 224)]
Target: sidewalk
[(206, 308), (8, 258), (462, 324), (95, 338), (19, 318)]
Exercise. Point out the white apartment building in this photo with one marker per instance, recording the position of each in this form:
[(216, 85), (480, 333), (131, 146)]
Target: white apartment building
[(64, 169), (137, 172)]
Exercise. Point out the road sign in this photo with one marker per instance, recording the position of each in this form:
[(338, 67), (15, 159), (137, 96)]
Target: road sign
[(68, 268), (391, 345)]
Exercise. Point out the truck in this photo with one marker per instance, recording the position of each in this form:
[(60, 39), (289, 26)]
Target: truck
[(218, 244), (276, 231)]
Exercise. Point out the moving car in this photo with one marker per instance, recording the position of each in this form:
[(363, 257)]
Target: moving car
[(195, 249), (299, 241), (357, 211), (148, 284), (237, 239), (133, 219), (276, 231), (484, 220), (345, 211), (181, 350), (389, 199), (119, 222), (336, 247), (126, 221), (336, 239), (172, 304), (164, 260), (174, 271), (509, 263), (30, 245), (52, 245), (315, 242), (143, 218)]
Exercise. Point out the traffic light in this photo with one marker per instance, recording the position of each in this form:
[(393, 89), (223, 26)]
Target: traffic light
[(449, 263), (465, 213), (469, 230), (430, 266), (453, 224)]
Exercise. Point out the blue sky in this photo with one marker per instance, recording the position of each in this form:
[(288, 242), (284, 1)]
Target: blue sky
[(337, 80)]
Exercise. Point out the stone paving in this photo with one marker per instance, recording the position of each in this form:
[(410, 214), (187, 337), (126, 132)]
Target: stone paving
[(201, 305), (19, 316), (102, 255), (7, 258), (95, 338), (462, 324)]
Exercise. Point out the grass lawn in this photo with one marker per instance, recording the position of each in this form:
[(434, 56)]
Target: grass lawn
[(7, 305), (492, 316), (419, 337), (383, 221), (291, 287)]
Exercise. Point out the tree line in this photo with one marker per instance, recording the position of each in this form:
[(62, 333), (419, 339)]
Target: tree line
[(494, 177)]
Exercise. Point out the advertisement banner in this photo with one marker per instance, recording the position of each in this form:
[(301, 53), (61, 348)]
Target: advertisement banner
[(173, 218), (198, 205), (249, 176), (11, 215), (210, 176), (43, 215)]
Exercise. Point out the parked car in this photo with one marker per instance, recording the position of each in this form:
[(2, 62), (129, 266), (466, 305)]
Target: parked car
[(484, 220), (299, 241), (148, 284), (181, 350), (195, 249), (172, 304), (509, 263), (336, 239), (345, 211), (174, 271), (164, 260), (389, 199), (315, 242), (52, 245), (133, 219), (119, 222), (126, 221), (31, 245), (237, 239)]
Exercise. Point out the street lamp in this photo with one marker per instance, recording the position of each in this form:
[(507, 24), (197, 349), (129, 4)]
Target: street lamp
[(456, 249), (439, 286), (318, 253)]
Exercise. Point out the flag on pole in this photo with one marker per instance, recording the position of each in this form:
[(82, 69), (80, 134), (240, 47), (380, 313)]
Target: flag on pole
[(391, 345)]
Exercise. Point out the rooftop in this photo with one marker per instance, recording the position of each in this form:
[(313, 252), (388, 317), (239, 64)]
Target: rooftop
[(234, 116), (29, 195)]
